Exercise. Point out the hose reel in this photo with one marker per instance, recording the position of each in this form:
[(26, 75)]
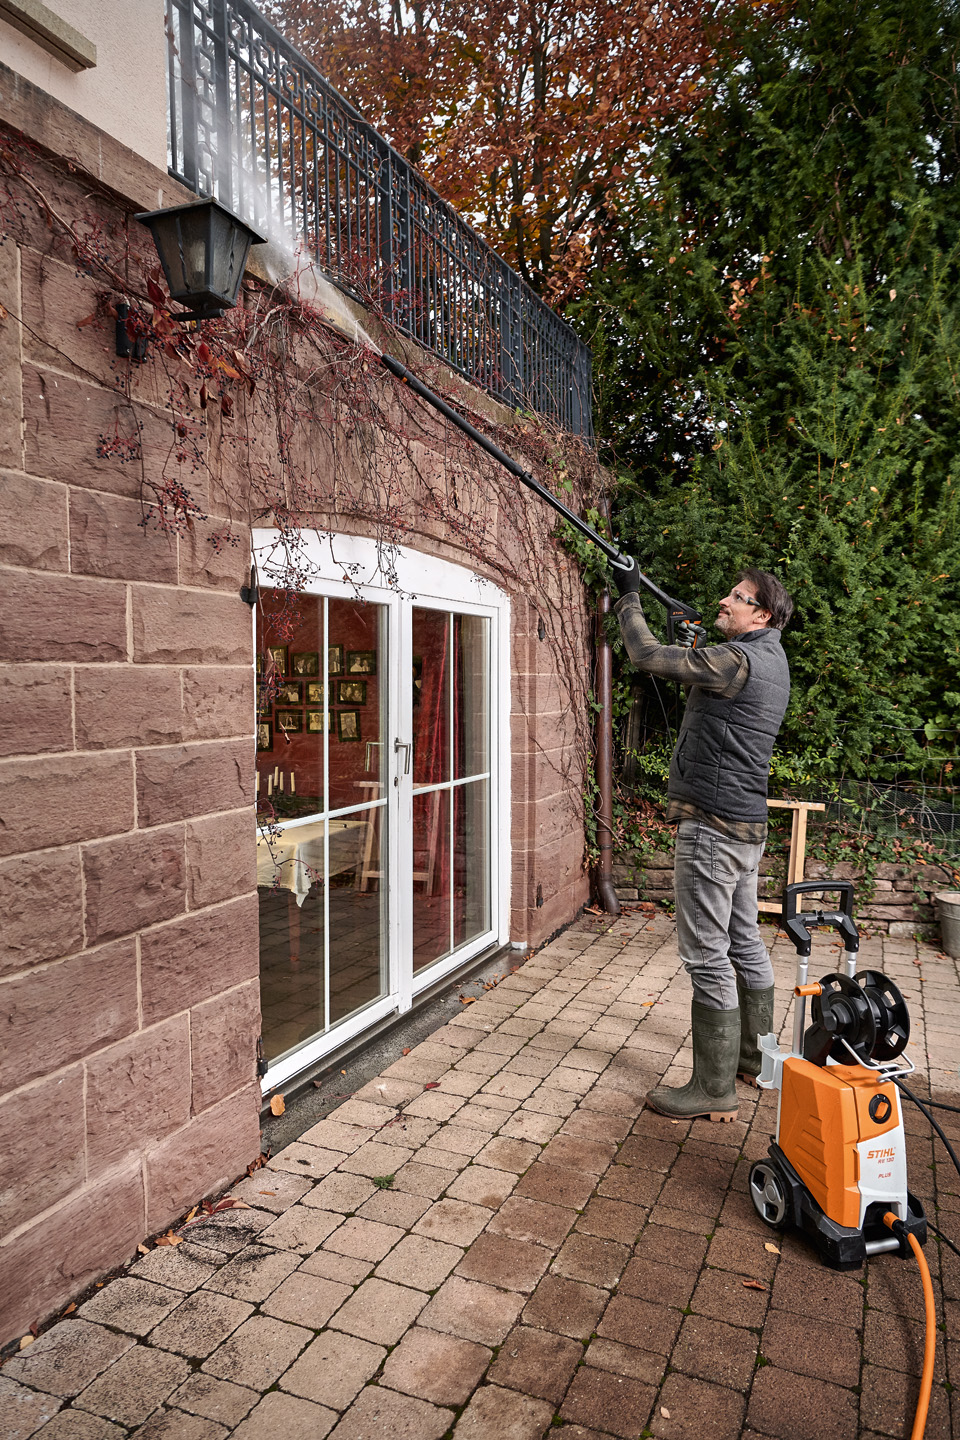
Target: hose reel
[(866, 1014)]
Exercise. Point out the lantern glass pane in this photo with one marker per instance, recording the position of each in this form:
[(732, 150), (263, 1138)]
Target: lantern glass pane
[(230, 248)]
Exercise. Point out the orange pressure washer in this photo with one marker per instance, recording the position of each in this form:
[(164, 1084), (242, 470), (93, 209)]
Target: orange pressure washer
[(837, 1168)]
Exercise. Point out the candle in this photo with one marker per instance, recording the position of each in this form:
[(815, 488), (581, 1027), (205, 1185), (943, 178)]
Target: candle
[(293, 783), (258, 782), (269, 786)]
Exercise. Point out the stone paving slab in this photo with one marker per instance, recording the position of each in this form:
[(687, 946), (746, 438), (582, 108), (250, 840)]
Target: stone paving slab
[(548, 1257)]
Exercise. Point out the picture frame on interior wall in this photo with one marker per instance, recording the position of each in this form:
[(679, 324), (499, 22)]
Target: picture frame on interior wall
[(361, 662), (261, 660), (348, 725), (277, 657), (306, 662), (264, 735), (315, 690), (352, 692), (290, 692), (335, 659), (315, 725), (289, 722)]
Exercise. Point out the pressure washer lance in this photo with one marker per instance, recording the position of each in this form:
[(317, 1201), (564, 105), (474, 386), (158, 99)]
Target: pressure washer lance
[(837, 1168), (676, 609)]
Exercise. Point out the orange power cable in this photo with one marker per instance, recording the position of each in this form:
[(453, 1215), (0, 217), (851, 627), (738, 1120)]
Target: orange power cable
[(930, 1342)]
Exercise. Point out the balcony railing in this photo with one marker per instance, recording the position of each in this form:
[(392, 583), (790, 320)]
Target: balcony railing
[(253, 123)]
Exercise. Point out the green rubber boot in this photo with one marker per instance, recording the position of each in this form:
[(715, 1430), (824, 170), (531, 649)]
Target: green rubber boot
[(710, 1092), (756, 1019)]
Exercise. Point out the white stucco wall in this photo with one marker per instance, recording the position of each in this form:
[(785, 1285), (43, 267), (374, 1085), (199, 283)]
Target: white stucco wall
[(125, 92)]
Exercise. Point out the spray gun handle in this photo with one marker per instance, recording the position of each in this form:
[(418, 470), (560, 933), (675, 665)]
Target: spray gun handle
[(677, 611), (799, 925)]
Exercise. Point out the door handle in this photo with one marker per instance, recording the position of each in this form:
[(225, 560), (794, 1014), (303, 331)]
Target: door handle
[(399, 745)]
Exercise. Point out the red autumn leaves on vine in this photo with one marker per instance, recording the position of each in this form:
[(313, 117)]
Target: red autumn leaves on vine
[(527, 118)]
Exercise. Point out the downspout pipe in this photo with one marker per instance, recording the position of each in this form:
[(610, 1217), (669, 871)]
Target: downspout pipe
[(605, 889)]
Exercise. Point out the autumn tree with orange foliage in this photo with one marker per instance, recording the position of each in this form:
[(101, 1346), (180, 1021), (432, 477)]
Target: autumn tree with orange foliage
[(526, 118)]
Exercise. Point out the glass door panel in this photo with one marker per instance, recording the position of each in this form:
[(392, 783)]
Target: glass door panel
[(431, 696), (356, 656), (471, 860), (471, 719), (290, 708), (321, 810), (431, 876)]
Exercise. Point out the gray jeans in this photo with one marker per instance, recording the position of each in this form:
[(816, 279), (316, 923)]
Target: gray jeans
[(715, 880)]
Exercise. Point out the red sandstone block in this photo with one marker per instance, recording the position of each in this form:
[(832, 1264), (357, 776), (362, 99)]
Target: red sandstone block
[(59, 1013), (127, 705), (218, 702), (178, 781), (137, 1091), (41, 1141), (69, 1248), (11, 387), (55, 800), (221, 860), (193, 959), (204, 564), (55, 617), (55, 300), (35, 710), (40, 901), (223, 1044), (203, 1157), (190, 627), (133, 881), (65, 423), (33, 523), (108, 537)]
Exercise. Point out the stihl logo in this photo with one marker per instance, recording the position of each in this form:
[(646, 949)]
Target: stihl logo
[(881, 1154)]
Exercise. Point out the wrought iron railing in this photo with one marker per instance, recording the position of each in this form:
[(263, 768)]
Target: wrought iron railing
[(253, 123)]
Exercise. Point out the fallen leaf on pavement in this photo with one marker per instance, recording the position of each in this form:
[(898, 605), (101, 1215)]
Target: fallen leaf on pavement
[(277, 1105), (70, 1309), (25, 1341), (467, 999), (664, 1412), (772, 1248), (649, 1002), (266, 1192), (432, 1085), (405, 1050), (752, 1285), (169, 1239), (144, 1249)]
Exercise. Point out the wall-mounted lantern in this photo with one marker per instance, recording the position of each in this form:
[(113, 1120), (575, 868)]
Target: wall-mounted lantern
[(203, 249)]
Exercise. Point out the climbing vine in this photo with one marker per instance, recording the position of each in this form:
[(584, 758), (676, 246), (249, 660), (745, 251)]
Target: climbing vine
[(271, 416)]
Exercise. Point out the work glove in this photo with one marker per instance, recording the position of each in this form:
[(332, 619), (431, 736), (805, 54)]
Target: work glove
[(626, 578), (689, 634)]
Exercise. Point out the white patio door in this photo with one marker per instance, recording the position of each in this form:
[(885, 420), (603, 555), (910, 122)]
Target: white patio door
[(382, 774)]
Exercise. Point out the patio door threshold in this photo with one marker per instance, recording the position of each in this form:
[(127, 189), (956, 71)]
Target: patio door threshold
[(352, 1046)]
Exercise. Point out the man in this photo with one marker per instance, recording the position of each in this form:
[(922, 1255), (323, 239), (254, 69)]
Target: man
[(717, 795)]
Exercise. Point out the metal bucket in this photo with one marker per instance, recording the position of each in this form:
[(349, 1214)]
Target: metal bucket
[(948, 909)]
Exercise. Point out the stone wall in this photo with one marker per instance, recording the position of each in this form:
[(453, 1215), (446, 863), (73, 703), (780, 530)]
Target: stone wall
[(128, 948), (900, 896)]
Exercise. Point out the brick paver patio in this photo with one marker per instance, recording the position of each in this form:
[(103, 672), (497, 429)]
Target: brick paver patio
[(548, 1255)]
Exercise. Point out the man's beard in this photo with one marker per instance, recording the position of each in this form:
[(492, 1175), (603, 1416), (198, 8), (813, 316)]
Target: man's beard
[(727, 626)]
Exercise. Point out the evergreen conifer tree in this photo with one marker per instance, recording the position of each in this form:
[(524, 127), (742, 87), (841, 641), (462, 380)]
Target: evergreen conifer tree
[(777, 353)]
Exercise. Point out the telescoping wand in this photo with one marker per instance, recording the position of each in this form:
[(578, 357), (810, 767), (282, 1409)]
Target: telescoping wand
[(676, 609)]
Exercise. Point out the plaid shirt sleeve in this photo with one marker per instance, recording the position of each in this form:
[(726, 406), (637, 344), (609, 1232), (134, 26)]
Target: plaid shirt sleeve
[(722, 669)]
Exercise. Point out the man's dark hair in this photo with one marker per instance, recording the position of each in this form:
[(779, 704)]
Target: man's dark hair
[(771, 595)]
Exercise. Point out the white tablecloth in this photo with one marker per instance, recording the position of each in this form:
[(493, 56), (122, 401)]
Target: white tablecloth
[(293, 859)]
